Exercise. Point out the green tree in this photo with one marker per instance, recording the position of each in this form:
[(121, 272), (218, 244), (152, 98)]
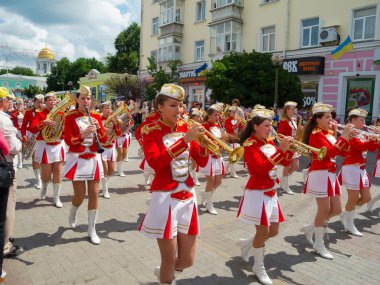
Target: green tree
[(125, 85), (18, 70), (127, 45), (160, 76), (31, 91), (250, 77)]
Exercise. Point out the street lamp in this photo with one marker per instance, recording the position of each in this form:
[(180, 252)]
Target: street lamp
[(277, 62), (70, 84)]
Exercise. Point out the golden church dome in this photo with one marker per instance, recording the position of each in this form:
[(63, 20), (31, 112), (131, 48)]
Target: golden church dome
[(46, 53)]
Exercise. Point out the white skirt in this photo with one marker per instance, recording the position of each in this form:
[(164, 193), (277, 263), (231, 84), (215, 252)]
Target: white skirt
[(260, 207), (168, 215), (45, 153), (322, 184), (109, 154), (214, 166), (376, 171), (124, 140), (80, 169), (354, 178)]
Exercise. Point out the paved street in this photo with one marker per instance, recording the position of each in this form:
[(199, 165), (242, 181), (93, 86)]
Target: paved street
[(55, 254)]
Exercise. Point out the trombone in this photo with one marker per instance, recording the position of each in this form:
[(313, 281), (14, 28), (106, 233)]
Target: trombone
[(213, 144), (303, 148)]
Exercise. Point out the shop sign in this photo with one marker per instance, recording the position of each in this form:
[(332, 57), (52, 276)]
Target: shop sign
[(305, 65), (310, 93)]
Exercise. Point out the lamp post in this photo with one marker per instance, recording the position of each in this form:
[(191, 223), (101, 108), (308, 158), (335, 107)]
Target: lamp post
[(277, 62), (70, 84)]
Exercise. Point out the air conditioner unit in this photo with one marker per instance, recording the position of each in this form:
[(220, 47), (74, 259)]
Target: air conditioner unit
[(327, 35)]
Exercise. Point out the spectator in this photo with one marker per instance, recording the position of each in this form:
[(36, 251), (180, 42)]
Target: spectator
[(239, 111)]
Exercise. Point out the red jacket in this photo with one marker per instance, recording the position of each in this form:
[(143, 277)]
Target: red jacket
[(354, 152), (73, 135), (14, 117), (259, 164), (38, 124), (116, 129), (285, 127), (231, 125), (318, 139), (150, 118), (208, 126), (159, 156), (27, 122)]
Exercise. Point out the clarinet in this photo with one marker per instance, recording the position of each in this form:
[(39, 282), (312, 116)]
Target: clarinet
[(100, 147)]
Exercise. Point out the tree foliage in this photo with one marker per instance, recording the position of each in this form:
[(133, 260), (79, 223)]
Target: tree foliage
[(127, 45), (31, 91), (250, 77), (65, 71), (18, 70), (160, 76), (126, 86)]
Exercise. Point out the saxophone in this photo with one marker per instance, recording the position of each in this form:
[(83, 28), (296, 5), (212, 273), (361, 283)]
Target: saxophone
[(108, 124), (299, 132), (57, 114)]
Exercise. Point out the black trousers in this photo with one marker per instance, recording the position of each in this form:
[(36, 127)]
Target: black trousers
[(3, 210)]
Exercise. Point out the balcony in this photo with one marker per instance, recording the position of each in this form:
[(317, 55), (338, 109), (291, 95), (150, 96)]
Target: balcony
[(227, 12), (174, 28)]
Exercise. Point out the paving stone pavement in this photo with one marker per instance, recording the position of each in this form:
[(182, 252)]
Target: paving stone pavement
[(56, 254)]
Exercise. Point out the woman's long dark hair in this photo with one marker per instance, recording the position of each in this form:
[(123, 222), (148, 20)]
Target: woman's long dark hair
[(310, 127), (249, 129), (209, 112)]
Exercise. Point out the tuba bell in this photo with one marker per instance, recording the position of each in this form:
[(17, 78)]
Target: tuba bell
[(123, 109), (57, 114)]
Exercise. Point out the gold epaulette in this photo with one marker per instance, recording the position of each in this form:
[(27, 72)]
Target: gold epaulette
[(316, 130), (249, 142), (181, 123), (72, 112), (151, 114), (149, 128)]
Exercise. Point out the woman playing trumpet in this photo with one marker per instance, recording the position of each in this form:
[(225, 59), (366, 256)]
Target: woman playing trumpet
[(376, 171), (353, 173), (259, 205), (321, 181), (84, 164)]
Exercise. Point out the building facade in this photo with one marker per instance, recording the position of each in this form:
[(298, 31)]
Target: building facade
[(303, 32), (45, 61), (17, 83), (96, 81)]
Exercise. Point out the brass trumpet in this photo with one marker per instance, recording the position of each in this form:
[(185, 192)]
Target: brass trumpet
[(371, 135), (213, 144), (304, 149), (241, 120)]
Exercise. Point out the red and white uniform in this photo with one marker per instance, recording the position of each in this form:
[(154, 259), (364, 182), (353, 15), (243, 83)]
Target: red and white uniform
[(321, 180), (27, 123), (173, 204), (215, 164), (259, 204), (83, 161), (288, 128), (376, 170), (46, 152), (17, 118), (353, 173), (124, 139), (109, 153), (233, 127)]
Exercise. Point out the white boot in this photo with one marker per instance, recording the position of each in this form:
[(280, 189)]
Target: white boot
[(308, 230), (19, 160), (284, 184), (194, 174), (372, 202), (258, 267), (233, 171), (148, 181), (343, 218), (44, 190), (92, 214), (350, 225), (57, 192), (202, 194), (245, 245), (119, 167), (319, 245), (209, 206), (127, 158), (304, 173), (105, 188), (73, 216), (37, 173)]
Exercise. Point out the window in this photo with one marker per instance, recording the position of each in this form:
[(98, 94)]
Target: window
[(18, 85), (268, 39), (169, 14), (226, 37), (200, 10), (154, 54), (38, 65), (221, 3), (169, 49), (199, 50), (310, 32), (5, 84), (268, 1), (155, 26), (364, 24), (45, 66)]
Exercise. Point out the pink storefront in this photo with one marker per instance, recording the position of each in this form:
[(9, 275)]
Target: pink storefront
[(352, 81)]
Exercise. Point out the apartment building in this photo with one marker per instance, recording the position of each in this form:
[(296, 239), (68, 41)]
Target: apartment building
[(303, 33)]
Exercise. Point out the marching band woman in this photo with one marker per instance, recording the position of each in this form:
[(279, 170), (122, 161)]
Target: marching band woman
[(26, 134), (17, 116), (288, 127), (196, 116), (84, 164), (321, 181), (172, 217), (50, 155), (353, 173), (233, 126), (214, 169), (259, 205), (109, 154), (376, 171)]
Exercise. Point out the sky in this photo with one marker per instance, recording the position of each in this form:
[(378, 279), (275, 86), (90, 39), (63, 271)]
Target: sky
[(70, 28)]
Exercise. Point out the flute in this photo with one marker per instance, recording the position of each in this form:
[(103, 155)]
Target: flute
[(100, 147)]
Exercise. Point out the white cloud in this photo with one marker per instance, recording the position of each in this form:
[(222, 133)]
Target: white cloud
[(71, 28)]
